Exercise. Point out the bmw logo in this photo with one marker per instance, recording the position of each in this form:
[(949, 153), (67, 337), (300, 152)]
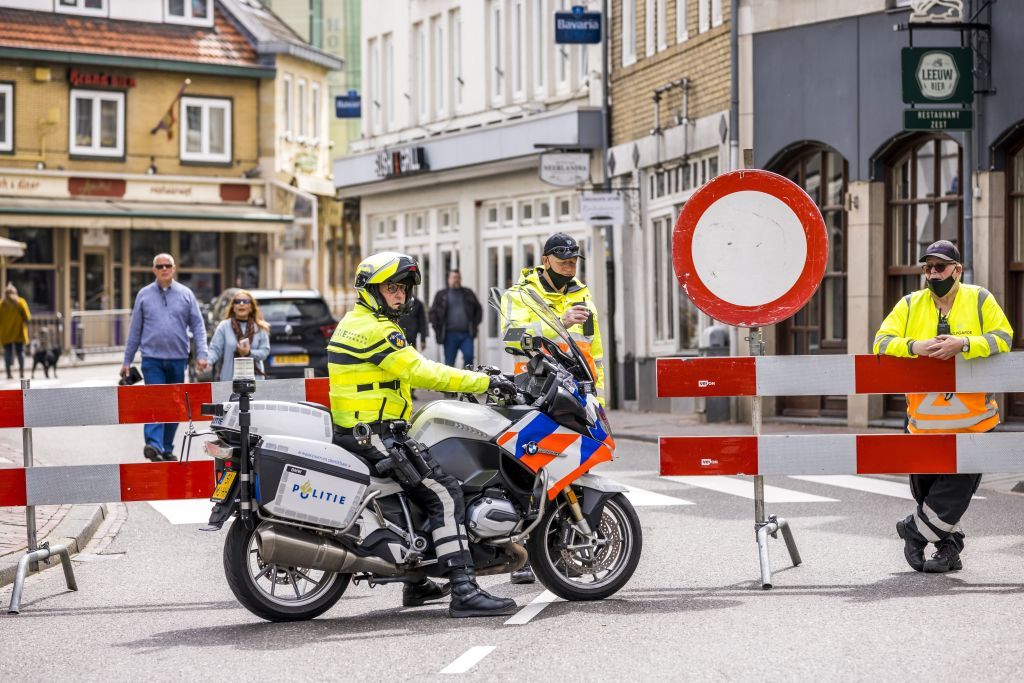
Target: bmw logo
[(530, 448)]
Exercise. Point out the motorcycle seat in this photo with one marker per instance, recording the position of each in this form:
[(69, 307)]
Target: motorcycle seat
[(386, 486)]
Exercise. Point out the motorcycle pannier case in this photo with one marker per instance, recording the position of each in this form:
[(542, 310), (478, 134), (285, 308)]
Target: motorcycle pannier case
[(309, 481)]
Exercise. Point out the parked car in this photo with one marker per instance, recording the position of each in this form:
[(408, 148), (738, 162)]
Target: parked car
[(300, 326)]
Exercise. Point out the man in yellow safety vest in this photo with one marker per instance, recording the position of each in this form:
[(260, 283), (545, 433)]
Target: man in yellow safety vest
[(946, 319)]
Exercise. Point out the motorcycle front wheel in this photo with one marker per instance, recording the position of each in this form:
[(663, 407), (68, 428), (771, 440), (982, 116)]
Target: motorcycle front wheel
[(276, 592), (576, 568)]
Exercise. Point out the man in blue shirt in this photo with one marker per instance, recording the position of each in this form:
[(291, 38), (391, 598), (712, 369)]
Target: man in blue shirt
[(164, 312)]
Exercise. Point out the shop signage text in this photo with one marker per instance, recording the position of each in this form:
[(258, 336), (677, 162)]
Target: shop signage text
[(564, 169), (96, 187), (577, 27), (99, 80), (603, 208), (938, 75), (348, 106), (938, 119), (397, 162), (18, 185)]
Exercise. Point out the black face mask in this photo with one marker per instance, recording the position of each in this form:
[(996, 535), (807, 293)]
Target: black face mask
[(941, 287), (559, 280)]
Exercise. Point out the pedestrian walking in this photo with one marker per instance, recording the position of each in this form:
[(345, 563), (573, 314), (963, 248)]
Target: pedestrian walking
[(14, 317), (242, 333), (164, 311), (946, 319), (455, 315)]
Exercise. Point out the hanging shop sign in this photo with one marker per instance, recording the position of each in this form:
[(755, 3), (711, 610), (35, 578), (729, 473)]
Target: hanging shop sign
[(938, 119), (936, 11), (348, 106), (564, 169), (937, 75), (398, 162), (603, 208), (577, 27)]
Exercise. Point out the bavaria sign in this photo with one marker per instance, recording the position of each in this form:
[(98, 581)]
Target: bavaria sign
[(577, 27), (564, 169), (938, 75), (348, 106)]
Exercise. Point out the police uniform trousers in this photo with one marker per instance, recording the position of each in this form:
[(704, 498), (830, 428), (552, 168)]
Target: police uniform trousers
[(942, 500), (439, 495)]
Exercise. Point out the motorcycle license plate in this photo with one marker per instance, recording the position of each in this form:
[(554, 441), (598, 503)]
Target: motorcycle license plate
[(227, 478), (299, 359)]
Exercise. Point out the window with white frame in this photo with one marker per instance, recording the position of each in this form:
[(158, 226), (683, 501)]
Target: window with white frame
[(389, 81), (649, 22), (420, 55), (300, 97), (583, 59), (94, 7), (661, 29), (518, 58), (717, 17), (562, 56), (440, 105), (675, 318), (189, 12), (315, 108), (539, 46), (703, 15), (455, 33), (286, 104), (6, 117), (205, 129), (497, 64), (373, 80), (628, 32), (97, 123), (681, 33)]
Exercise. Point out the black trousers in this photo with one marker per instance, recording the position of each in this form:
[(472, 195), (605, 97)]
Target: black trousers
[(439, 494)]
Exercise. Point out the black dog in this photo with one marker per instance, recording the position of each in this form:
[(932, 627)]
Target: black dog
[(44, 353)]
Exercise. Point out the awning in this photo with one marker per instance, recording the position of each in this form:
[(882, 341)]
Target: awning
[(12, 248), (75, 213)]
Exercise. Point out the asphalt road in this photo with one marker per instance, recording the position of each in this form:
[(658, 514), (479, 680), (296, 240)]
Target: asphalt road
[(153, 602)]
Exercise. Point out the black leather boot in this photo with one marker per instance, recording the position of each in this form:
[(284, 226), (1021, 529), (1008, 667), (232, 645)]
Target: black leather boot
[(470, 600), (416, 594), (523, 575), (945, 559), (913, 548)]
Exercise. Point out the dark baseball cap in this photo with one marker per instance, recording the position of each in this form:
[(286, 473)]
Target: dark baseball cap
[(943, 249), (564, 246)]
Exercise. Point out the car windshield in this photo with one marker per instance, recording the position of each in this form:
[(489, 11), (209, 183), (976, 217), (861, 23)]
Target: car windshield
[(291, 310)]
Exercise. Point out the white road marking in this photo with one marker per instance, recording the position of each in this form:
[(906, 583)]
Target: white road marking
[(744, 488), (195, 511), (643, 498), (524, 615), (468, 660), (882, 487)]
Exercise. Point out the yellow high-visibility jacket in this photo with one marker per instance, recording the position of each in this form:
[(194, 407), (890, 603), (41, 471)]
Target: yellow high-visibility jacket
[(975, 315), (587, 335), (372, 369)]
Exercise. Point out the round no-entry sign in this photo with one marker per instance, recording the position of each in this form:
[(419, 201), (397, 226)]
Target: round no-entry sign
[(750, 248)]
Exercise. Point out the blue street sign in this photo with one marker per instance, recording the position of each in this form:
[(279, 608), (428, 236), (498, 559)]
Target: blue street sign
[(348, 106), (577, 27)]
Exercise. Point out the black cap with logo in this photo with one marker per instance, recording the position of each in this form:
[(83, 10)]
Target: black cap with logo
[(943, 249), (562, 246)]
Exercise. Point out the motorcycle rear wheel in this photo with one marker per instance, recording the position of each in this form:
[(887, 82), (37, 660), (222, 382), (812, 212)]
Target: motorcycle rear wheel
[(275, 592), (593, 574)]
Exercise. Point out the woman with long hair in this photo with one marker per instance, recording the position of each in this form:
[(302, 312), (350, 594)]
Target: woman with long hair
[(242, 333)]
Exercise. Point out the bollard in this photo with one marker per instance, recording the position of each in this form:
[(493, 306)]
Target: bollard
[(30, 562)]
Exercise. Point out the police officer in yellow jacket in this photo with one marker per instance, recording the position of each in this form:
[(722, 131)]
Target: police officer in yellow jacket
[(372, 370), (556, 283), (947, 319)]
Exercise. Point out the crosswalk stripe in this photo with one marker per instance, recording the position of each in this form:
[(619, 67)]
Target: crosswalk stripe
[(194, 511), (882, 487), (744, 488), (643, 498)]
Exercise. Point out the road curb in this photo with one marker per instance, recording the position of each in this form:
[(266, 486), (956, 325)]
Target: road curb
[(74, 532)]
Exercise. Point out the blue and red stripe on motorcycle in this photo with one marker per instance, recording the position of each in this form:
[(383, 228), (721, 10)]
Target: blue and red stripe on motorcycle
[(538, 442)]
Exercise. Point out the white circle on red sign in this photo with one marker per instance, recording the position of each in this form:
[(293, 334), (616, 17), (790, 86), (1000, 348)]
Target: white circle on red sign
[(750, 248)]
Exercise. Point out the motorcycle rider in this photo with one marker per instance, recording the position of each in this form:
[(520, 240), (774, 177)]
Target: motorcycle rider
[(556, 283), (372, 369)]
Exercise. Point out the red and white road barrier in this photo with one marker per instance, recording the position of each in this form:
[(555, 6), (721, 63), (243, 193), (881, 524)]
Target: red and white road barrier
[(106, 483), (836, 375), (843, 454), (112, 405)]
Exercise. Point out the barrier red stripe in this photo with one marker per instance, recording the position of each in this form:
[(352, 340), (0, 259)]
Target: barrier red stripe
[(167, 480), (905, 454), (318, 391), (162, 402), (690, 455), (734, 376), (12, 408), (891, 375), (13, 492)]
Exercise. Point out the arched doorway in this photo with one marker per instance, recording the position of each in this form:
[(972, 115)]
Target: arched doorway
[(1014, 409), (820, 326)]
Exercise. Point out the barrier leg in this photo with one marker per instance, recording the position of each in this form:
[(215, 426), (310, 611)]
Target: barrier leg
[(32, 558)]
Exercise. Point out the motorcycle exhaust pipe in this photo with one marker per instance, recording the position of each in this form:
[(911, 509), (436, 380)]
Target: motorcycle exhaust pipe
[(296, 548)]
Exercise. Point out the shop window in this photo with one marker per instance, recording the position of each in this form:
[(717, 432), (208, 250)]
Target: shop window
[(146, 244), (206, 129), (198, 250), (189, 12), (35, 285), (1015, 266), (97, 123), (204, 285), (38, 245), (6, 117)]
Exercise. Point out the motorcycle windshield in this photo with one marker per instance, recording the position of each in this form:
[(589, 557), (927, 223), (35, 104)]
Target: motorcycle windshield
[(550, 325)]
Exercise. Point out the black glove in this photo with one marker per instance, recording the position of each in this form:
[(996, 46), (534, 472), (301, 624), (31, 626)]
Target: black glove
[(501, 386)]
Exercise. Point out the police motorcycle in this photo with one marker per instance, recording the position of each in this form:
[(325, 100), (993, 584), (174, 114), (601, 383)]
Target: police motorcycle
[(310, 517)]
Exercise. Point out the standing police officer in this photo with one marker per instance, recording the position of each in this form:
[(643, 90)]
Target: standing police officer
[(372, 369), (945, 319)]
